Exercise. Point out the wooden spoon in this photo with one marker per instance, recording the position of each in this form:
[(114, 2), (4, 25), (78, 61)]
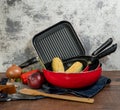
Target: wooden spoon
[(56, 96)]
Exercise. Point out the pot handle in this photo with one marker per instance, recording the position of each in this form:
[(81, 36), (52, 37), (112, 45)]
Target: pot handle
[(102, 47), (29, 62), (107, 51)]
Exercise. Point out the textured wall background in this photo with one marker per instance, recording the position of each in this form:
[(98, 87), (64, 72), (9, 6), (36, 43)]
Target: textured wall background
[(93, 20)]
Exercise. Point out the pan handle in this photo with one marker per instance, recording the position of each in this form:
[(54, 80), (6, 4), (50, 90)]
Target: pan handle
[(103, 46), (29, 62), (107, 51)]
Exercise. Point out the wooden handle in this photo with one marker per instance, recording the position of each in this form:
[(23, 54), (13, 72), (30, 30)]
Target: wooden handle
[(65, 97)]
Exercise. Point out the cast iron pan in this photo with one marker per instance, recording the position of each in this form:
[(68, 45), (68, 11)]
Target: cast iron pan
[(58, 40), (92, 61), (68, 62)]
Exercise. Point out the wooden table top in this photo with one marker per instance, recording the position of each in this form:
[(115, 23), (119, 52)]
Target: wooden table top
[(107, 99)]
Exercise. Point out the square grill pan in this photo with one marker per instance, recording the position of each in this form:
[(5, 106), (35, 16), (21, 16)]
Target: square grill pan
[(60, 40)]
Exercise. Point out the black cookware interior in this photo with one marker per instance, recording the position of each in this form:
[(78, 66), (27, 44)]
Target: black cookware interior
[(67, 64), (58, 40), (91, 61)]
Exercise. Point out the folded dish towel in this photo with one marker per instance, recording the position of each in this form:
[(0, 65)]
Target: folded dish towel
[(85, 92)]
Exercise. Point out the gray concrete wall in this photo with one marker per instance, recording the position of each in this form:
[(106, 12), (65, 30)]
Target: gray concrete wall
[(93, 20)]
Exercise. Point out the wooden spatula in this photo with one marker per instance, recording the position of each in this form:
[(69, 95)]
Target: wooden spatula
[(64, 97)]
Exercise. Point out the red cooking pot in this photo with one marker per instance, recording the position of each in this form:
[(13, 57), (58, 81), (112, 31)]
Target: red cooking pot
[(81, 79), (73, 80)]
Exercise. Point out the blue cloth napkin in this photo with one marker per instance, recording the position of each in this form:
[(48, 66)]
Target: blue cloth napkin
[(85, 92)]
